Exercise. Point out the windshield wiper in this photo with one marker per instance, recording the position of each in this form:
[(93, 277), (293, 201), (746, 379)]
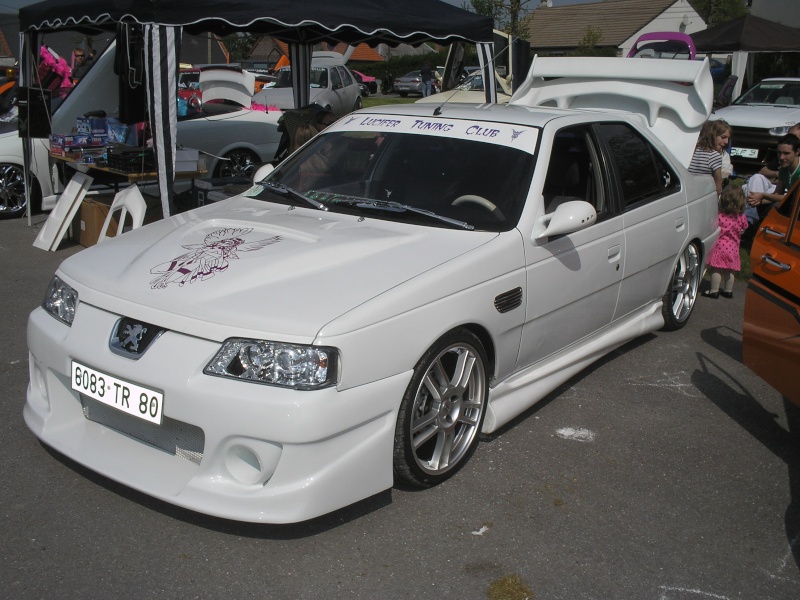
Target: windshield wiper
[(284, 190), (390, 206)]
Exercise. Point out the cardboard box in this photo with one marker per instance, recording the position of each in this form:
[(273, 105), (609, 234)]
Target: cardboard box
[(92, 125), (93, 213)]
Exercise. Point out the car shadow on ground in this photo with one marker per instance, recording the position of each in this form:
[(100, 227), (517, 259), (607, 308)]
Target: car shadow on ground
[(733, 399), (289, 531)]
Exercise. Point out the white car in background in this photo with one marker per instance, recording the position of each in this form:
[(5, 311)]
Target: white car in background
[(332, 86), (759, 118), (471, 91), (403, 282)]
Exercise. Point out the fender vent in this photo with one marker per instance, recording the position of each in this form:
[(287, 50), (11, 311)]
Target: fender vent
[(508, 300)]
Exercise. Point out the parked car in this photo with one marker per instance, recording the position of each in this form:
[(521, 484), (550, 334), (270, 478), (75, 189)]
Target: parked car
[(403, 282), (771, 330), (719, 71), (235, 139), (471, 91), (332, 86), (410, 83), (368, 83), (759, 117)]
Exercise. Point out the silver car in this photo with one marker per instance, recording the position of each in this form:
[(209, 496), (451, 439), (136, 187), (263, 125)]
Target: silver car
[(332, 86)]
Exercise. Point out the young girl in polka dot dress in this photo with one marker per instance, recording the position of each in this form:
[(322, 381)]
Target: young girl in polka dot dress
[(723, 259)]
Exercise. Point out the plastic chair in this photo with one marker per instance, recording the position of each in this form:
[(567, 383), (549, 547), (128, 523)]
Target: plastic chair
[(128, 201)]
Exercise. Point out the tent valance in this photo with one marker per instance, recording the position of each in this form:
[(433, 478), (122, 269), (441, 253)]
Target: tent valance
[(307, 22)]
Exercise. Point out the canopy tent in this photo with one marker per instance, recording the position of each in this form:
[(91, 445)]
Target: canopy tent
[(300, 24), (744, 35)]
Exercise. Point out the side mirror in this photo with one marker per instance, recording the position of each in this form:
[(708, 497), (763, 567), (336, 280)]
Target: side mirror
[(263, 172), (568, 217)]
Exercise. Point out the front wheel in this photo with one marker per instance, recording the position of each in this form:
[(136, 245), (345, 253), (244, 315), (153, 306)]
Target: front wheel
[(13, 200), (682, 289), (442, 411)]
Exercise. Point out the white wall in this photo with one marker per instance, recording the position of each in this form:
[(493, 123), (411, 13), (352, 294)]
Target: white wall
[(678, 17)]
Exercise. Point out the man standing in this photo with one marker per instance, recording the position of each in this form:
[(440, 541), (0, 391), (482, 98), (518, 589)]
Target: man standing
[(426, 75), (80, 65)]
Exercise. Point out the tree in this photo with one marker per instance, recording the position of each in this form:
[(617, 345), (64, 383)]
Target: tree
[(507, 14), (715, 12), (588, 45), (241, 45)]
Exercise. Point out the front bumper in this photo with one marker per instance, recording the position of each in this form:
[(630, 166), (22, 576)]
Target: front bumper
[(258, 453)]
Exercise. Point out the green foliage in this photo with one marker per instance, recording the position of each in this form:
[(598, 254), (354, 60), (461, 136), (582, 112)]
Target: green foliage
[(715, 12), (400, 65), (507, 14), (241, 45), (589, 44)]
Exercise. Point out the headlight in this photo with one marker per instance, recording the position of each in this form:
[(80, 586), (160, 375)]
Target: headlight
[(60, 301), (274, 363), (780, 131)]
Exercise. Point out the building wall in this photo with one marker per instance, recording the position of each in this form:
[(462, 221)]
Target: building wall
[(786, 12), (678, 17)]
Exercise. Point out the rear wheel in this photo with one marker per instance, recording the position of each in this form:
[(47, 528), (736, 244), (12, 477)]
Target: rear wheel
[(682, 290), (442, 411), (239, 163), (358, 104)]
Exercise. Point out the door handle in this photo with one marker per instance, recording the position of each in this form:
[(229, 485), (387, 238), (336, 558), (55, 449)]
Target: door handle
[(775, 263), (773, 232)]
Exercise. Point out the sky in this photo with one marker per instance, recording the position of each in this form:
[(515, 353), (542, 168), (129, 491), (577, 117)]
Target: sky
[(12, 6)]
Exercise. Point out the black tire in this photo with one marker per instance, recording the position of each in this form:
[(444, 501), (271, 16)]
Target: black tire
[(240, 163), (442, 411), (682, 289), (13, 201), (359, 104)]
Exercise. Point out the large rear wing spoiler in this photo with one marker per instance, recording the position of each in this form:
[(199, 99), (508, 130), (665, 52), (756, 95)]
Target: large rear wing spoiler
[(675, 97)]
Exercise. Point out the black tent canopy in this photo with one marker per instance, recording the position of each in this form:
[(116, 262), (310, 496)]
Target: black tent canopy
[(293, 21), (300, 23), (743, 35)]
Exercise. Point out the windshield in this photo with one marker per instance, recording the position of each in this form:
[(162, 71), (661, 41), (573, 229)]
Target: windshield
[(780, 93), (319, 78), (393, 175)]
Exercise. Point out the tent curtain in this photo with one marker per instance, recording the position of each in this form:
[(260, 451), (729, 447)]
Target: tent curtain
[(162, 47), (300, 59)]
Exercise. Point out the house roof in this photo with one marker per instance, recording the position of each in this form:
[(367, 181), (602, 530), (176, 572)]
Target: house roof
[(616, 20)]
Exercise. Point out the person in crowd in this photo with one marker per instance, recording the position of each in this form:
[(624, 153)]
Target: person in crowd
[(761, 192), (770, 168), (80, 64), (426, 74), (707, 158), (723, 260)]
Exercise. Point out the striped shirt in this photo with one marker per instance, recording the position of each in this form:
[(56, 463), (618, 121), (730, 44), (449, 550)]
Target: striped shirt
[(705, 162)]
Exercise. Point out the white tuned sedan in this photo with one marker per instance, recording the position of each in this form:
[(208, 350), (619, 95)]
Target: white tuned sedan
[(409, 278)]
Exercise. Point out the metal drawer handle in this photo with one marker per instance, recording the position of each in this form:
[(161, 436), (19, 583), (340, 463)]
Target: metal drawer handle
[(775, 263), (773, 232)]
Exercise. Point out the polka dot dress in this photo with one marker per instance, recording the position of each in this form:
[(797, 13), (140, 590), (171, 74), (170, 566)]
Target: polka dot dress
[(725, 253)]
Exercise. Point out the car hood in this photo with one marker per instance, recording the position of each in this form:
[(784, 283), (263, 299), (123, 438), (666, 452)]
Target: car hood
[(244, 267), (761, 117)]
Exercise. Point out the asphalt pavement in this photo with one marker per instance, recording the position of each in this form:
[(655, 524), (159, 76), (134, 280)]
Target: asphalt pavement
[(666, 471)]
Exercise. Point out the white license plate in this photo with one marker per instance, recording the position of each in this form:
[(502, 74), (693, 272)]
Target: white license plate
[(744, 152), (136, 400)]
